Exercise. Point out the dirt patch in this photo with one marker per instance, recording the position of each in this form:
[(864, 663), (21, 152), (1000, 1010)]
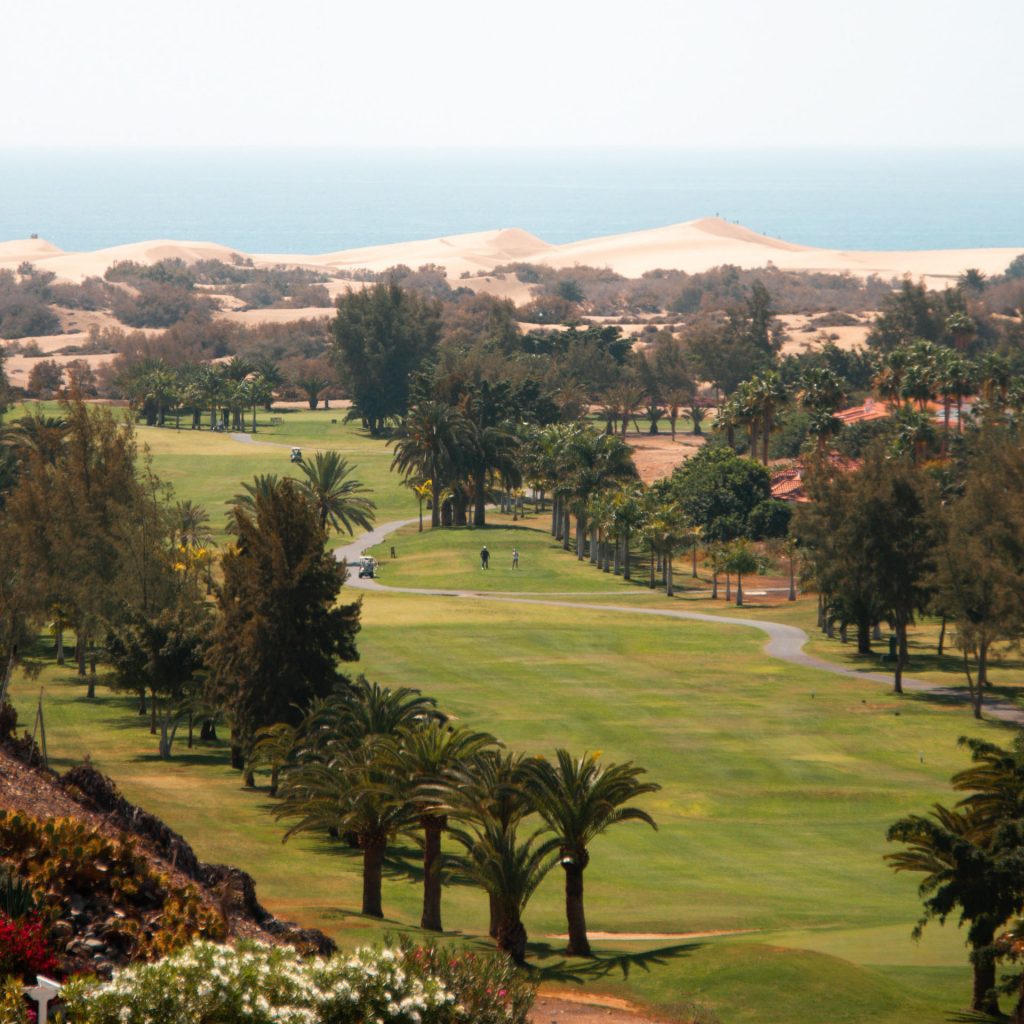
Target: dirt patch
[(656, 455), (576, 1008)]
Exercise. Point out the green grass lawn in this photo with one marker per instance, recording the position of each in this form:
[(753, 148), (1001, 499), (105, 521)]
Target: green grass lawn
[(772, 816), (778, 782)]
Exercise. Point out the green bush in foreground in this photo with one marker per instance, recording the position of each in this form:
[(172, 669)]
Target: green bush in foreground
[(258, 984)]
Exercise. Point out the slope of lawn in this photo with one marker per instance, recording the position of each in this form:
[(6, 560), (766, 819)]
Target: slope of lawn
[(772, 816)]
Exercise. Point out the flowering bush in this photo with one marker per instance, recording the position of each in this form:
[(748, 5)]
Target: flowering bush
[(24, 950), (256, 984), (14, 1008)]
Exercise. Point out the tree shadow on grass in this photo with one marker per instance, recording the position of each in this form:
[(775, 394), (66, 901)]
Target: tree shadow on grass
[(581, 971)]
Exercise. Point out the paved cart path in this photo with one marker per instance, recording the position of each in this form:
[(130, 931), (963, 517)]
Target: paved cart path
[(785, 642)]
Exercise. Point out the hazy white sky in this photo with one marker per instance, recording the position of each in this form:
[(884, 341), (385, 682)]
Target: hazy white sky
[(519, 72)]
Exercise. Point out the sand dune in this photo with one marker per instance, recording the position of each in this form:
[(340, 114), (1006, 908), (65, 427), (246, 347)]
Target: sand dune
[(692, 246)]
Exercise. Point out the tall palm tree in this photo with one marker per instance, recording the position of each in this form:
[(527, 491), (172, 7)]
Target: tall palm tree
[(493, 786), (593, 462), (421, 756), (770, 395), (340, 501), (491, 451), (580, 798), (350, 791), (431, 440), (509, 869), (627, 521), (961, 872)]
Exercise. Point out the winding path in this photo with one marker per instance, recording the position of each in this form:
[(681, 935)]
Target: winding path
[(784, 642)]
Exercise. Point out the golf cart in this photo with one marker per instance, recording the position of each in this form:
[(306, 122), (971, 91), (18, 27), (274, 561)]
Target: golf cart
[(296, 455), (367, 567)]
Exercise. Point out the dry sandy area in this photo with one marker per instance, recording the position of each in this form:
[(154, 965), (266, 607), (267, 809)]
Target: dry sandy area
[(656, 455), (579, 1008), (692, 246), (847, 337)]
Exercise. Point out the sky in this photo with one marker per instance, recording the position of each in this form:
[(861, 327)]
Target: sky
[(450, 73)]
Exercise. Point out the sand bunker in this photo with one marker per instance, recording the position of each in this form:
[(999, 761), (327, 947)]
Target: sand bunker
[(658, 936)]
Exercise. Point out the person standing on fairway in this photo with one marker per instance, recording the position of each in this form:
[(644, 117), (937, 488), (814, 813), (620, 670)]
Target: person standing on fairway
[(485, 557), (515, 558)]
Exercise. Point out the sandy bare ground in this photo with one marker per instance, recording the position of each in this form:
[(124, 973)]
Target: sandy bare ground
[(656, 455), (578, 1008), (693, 246)]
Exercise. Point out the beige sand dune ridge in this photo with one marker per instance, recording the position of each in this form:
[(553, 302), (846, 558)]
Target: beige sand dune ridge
[(692, 246)]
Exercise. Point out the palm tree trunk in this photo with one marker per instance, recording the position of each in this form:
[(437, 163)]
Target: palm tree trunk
[(565, 528), (579, 944), (435, 503), (494, 915), (728, 586), (942, 636), (580, 538), (374, 848), (617, 560), (59, 627), (480, 501), (432, 828), (901, 656), (555, 519), (694, 566), (714, 586), (669, 588), (739, 590), (625, 558), (511, 937)]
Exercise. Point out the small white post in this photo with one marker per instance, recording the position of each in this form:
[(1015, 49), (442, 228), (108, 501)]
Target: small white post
[(43, 992)]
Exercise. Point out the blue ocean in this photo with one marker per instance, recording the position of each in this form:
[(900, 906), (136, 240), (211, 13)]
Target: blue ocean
[(310, 201)]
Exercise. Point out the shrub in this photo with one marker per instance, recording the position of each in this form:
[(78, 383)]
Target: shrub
[(258, 984), (24, 950), (13, 1006), (61, 856)]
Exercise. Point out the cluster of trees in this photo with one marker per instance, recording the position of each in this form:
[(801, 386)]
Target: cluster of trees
[(92, 542), (368, 763), (716, 500), (896, 538), (971, 857), (25, 303)]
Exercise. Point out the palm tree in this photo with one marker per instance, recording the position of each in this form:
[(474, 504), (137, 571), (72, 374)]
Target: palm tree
[(364, 711), (580, 798), (770, 395), (421, 755), (350, 791), (961, 328), (627, 520), (593, 462), (493, 786), (341, 502), (491, 452), (431, 440), (190, 523), (36, 434), (423, 492), (509, 870), (275, 747), (742, 560), (961, 871), (264, 484)]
